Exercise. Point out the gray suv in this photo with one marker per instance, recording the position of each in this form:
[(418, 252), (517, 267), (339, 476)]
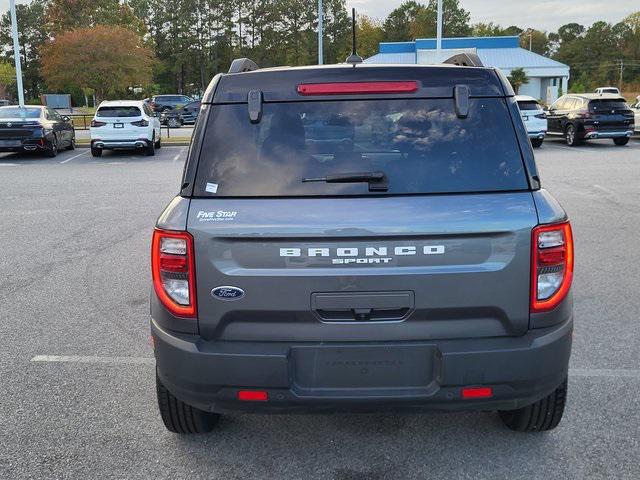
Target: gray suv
[(361, 238)]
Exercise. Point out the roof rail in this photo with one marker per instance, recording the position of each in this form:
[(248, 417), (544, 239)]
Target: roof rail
[(243, 65), (465, 60)]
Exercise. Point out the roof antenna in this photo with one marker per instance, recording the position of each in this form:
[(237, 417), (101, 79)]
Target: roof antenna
[(354, 58)]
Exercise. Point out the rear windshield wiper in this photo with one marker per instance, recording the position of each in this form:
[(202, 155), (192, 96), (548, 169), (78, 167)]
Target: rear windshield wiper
[(377, 181)]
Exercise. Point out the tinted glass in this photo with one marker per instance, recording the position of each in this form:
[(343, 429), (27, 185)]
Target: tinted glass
[(15, 112), (421, 145), (529, 105), (118, 112), (607, 105)]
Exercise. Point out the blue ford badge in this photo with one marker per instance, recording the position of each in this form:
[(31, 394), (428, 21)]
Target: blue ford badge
[(227, 293)]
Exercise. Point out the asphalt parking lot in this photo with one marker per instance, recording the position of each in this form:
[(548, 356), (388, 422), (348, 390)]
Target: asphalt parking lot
[(76, 367)]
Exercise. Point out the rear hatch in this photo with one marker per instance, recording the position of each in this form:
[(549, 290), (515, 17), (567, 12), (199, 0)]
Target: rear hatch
[(611, 115), (117, 122), (441, 251), (17, 124)]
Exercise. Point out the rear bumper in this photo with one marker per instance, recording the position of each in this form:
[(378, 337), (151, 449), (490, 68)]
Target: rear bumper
[(607, 134), (540, 134), (28, 144), (208, 375), (112, 144)]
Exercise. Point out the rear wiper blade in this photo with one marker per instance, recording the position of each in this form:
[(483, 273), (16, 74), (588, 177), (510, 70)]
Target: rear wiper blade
[(377, 180)]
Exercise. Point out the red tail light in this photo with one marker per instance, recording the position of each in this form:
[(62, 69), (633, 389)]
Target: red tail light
[(354, 88), (477, 392), (96, 123), (253, 395), (173, 272), (140, 123), (551, 265)]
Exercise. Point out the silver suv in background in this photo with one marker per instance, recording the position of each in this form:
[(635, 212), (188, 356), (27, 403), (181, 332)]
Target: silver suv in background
[(534, 118)]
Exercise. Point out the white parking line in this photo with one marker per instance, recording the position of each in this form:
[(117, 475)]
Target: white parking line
[(175, 159), (573, 372), (8, 164), (75, 156)]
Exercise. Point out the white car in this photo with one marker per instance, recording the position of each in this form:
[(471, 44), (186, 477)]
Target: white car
[(124, 124), (602, 90), (636, 111), (534, 118)]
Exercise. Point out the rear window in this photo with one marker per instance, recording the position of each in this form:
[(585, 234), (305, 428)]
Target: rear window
[(420, 145), (118, 112), (607, 105), (529, 105)]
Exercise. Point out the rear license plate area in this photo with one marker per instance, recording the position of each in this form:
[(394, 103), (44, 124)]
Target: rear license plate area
[(10, 143), (118, 125), (364, 370)]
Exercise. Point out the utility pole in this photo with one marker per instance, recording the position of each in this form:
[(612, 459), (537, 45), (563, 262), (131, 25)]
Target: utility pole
[(530, 40), (320, 26), (621, 72), (439, 30), (16, 52)]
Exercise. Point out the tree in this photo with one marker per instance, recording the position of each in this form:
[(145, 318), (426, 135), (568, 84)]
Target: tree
[(105, 59), (517, 78), (370, 34), (7, 77), (538, 40), (397, 26), (455, 20), (31, 36), (65, 15)]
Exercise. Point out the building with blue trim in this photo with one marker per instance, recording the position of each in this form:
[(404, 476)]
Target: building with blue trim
[(547, 78)]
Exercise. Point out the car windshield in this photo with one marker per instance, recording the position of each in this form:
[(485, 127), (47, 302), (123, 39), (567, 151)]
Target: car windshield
[(118, 112), (529, 105), (16, 112), (420, 144)]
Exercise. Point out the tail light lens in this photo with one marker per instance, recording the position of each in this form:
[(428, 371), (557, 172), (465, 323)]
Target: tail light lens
[(354, 88), (173, 272), (96, 123), (140, 123), (551, 265)]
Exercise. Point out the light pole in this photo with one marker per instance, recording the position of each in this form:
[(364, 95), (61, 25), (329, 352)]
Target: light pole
[(320, 26), (439, 30), (16, 52)]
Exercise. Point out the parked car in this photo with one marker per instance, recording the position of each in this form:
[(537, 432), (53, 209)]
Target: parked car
[(35, 128), (186, 115), (161, 103), (612, 90), (125, 124), (636, 111), (588, 116), (534, 118), (419, 265)]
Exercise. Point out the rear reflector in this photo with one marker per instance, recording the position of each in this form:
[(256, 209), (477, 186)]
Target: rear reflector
[(477, 392), (253, 395), (354, 88)]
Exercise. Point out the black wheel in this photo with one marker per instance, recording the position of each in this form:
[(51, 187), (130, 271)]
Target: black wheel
[(150, 150), (53, 149), (159, 143), (537, 142), (72, 143), (96, 152), (621, 141), (181, 418), (541, 416), (571, 136), (174, 122)]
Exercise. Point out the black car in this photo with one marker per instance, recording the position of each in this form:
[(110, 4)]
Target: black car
[(587, 116), (35, 128), (186, 115), (161, 103)]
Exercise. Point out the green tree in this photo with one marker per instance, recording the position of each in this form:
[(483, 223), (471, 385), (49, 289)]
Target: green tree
[(517, 78), (370, 34), (65, 15), (397, 25), (455, 20)]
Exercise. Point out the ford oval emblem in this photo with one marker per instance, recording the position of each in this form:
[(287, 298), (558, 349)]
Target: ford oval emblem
[(226, 292)]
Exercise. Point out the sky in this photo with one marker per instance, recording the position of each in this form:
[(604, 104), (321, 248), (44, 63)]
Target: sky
[(542, 14)]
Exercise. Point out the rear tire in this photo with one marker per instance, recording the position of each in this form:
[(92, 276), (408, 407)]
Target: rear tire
[(571, 136), (53, 150), (174, 122), (159, 143), (72, 143), (181, 418), (96, 152), (543, 415), (537, 142), (621, 142)]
